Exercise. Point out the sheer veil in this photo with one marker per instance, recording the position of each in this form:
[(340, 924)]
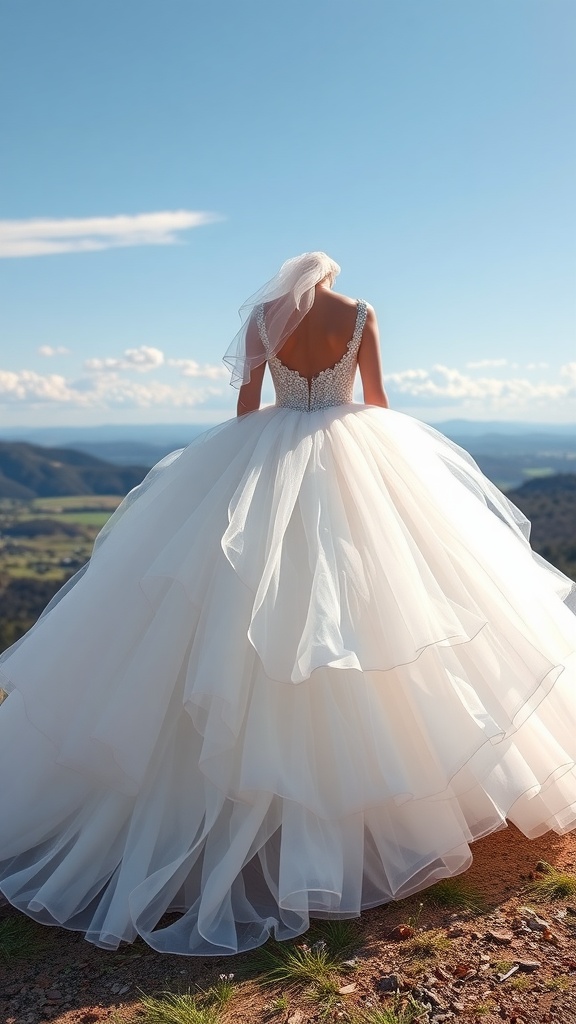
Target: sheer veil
[(287, 297)]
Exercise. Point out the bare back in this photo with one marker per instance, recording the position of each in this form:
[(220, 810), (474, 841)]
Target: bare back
[(322, 337)]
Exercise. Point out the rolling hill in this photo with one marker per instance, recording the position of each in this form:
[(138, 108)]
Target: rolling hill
[(29, 471)]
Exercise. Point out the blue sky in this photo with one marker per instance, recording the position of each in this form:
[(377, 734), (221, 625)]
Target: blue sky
[(160, 159)]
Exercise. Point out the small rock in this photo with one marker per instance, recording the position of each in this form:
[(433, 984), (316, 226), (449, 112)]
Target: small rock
[(319, 947), (528, 965), (295, 1018), (122, 991), (401, 931), (347, 989), (53, 995), (533, 920), (389, 983), (426, 996), (442, 974), (350, 963), (461, 970), (538, 924), (457, 1007), (455, 932), (502, 936)]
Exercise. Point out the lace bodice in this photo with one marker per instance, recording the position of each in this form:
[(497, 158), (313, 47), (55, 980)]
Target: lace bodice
[(332, 386)]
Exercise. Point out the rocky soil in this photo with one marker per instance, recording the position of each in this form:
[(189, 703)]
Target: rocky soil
[(513, 961)]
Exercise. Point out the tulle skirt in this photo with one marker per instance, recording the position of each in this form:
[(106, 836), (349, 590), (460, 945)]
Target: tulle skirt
[(311, 659)]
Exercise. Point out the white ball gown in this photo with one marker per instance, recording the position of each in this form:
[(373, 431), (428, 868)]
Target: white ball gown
[(311, 659)]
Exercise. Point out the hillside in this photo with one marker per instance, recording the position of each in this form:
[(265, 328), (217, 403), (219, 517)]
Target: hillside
[(550, 505), (28, 471)]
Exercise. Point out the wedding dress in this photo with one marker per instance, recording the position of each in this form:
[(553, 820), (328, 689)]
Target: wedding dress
[(311, 659)]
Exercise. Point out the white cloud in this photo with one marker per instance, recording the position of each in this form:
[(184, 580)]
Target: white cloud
[(53, 350), (143, 359), (480, 364), (537, 366), (46, 237), (443, 383), (103, 391), (29, 386), (190, 368)]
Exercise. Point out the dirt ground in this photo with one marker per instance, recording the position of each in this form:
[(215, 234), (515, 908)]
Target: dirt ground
[(61, 978)]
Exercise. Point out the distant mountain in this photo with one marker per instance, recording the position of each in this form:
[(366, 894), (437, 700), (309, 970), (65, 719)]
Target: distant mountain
[(166, 435), (477, 428), (123, 453), (509, 453), (123, 444), (510, 458), (550, 505), (28, 471)]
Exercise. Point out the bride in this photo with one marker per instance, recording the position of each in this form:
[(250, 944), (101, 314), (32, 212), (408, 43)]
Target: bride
[(312, 658)]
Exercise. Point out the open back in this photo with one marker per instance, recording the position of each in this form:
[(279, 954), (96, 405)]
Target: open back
[(333, 385)]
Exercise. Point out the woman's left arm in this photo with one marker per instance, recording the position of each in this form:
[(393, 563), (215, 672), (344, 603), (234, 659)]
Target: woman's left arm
[(250, 393)]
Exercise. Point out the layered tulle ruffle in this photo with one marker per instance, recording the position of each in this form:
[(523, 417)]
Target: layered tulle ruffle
[(311, 659)]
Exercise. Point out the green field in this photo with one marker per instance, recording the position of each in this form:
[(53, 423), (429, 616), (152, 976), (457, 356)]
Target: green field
[(51, 556)]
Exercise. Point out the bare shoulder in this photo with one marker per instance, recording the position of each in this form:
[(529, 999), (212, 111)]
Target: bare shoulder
[(342, 300)]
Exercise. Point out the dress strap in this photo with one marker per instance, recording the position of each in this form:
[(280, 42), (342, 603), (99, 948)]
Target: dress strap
[(361, 315), (261, 324)]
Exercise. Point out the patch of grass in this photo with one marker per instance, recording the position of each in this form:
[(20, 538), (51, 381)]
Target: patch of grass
[(502, 966), (538, 472), (90, 502), (289, 964), (21, 938), (402, 1010), (280, 1004), (521, 983), (483, 1009), (427, 944), (221, 992), (317, 960), (561, 983), (456, 894), (173, 1008), (317, 965), (341, 937), (85, 518), (553, 885), (325, 995)]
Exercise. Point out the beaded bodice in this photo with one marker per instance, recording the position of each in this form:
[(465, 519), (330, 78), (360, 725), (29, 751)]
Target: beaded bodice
[(332, 386)]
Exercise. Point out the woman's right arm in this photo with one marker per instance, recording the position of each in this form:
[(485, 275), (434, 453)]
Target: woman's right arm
[(370, 365)]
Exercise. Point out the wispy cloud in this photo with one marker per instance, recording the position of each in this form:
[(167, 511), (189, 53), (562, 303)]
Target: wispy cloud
[(480, 364), (190, 368), (143, 359), (53, 350), (43, 237)]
